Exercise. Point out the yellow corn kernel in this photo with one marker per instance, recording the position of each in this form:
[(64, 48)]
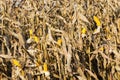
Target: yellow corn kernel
[(97, 21), (16, 63), (45, 67)]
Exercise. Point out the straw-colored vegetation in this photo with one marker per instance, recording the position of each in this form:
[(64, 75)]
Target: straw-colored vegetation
[(59, 39)]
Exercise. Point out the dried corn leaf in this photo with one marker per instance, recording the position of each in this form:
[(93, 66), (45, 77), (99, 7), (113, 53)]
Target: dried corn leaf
[(92, 74), (83, 18), (5, 56), (97, 30)]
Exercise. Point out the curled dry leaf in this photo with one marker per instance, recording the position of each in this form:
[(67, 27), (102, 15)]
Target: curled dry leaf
[(5, 56), (83, 18)]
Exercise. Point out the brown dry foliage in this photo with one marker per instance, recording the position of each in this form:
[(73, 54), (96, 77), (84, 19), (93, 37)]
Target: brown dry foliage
[(56, 49)]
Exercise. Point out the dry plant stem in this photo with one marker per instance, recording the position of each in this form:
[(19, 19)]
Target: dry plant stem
[(90, 65), (58, 64), (3, 45)]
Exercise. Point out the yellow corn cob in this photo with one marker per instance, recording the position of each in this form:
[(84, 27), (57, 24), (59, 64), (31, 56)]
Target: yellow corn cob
[(45, 67), (84, 31), (59, 42), (31, 33), (36, 39), (16, 63), (97, 21)]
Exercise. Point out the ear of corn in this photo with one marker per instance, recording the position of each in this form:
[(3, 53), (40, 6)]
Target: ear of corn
[(31, 33), (97, 21), (45, 68), (36, 39), (59, 42), (16, 62), (84, 31)]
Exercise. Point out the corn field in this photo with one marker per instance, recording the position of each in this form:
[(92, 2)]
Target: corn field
[(59, 39)]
